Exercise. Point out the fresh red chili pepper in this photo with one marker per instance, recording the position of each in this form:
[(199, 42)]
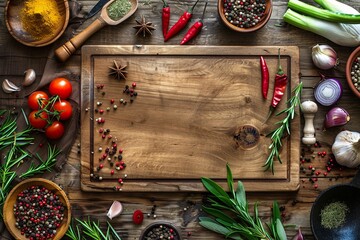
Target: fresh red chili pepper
[(181, 23), (279, 87), (264, 77), (165, 18), (195, 29)]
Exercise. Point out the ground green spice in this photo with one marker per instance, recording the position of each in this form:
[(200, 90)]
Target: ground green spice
[(118, 9), (333, 215)]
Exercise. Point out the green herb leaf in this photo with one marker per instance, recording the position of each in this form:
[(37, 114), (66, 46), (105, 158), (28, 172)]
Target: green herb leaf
[(218, 214), (230, 180), (214, 226), (240, 194), (280, 231), (216, 190)]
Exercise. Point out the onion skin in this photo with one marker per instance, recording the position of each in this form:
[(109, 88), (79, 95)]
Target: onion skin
[(336, 117)]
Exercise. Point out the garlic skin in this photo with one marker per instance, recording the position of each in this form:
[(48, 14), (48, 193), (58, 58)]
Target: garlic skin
[(29, 78), (9, 87), (115, 210), (346, 149), (324, 56)]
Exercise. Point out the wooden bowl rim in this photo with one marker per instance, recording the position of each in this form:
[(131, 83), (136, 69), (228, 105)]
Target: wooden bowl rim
[(353, 55), (261, 24), (39, 43), (11, 198)]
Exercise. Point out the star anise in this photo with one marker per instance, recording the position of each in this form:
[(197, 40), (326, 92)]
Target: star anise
[(118, 71), (144, 27)]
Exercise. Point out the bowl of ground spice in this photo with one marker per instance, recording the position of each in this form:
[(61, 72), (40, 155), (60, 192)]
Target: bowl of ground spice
[(245, 15), (37, 208), (160, 230), (335, 212), (353, 71), (36, 23)]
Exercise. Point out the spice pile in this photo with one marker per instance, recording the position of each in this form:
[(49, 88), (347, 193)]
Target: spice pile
[(118, 9), (40, 18), (333, 215), (160, 232), (38, 212), (244, 13), (355, 73)]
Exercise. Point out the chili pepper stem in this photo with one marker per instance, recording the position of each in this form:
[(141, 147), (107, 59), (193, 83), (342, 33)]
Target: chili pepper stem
[(165, 4), (191, 9)]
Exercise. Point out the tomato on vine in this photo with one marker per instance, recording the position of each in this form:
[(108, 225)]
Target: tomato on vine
[(61, 87), (64, 108), (38, 119), (55, 130), (37, 100)]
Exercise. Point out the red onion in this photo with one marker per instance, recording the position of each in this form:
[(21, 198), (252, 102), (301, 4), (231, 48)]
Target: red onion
[(298, 235), (336, 117), (328, 91)]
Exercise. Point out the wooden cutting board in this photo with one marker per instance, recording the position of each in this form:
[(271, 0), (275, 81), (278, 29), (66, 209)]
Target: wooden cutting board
[(197, 108)]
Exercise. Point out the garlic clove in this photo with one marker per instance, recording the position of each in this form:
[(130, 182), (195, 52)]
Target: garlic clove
[(324, 56), (30, 77), (9, 87), (115, 210)]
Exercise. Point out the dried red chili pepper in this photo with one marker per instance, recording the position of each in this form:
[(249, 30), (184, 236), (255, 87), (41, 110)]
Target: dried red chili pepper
[(165, 18), (264, 77), (279, 88), (181, 23), (195, 29)]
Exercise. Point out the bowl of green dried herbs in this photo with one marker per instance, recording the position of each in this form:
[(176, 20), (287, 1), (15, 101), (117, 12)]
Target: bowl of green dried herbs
[(334, 214)]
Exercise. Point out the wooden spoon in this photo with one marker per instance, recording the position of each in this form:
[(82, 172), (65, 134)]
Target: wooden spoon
[(65, 51)]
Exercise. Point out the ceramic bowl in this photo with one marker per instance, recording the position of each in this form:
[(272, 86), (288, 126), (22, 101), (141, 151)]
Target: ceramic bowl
[(16, 29), (8, 212), (263, 20), (353, 56), (160, 225)]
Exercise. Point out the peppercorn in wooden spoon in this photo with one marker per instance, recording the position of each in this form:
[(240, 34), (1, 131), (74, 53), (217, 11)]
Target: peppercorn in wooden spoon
[(113, 13)]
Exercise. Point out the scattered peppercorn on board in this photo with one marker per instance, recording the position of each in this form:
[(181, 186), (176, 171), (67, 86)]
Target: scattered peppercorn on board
[(182, 113)]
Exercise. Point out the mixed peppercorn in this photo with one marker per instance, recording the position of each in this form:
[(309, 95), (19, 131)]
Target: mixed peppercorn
[(161, 231), (38, 213), (355, 73), (244, 13)]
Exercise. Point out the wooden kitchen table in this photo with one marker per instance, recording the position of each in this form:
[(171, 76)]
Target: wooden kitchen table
[(183, 209)]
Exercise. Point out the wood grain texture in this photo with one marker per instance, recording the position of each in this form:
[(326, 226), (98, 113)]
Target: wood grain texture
[(192, 103)]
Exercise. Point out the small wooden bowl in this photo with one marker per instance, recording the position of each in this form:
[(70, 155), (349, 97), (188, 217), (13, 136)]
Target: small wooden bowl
[(151, 227), (349, 63), (8, 212), (264, 19), (15, 28)]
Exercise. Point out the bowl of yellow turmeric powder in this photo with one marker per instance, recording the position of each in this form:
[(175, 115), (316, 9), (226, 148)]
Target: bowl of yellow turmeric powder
[(37, 23)]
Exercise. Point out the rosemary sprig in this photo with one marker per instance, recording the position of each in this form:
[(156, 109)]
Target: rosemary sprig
[(45, 165), (14, 142), (231, 216), (284, 127), (88, 229)]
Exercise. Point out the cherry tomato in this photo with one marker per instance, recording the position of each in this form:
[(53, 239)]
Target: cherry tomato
[(37, 99), (65, 109), (38, 119), (55, 130), (61, 87)]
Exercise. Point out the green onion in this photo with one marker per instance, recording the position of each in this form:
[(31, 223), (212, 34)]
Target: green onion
[(323, 14), (347, 35), (335, 6)]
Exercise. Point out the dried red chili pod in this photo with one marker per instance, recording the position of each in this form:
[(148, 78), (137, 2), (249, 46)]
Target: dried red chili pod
[(264, 77), (195, 29), (138, 217), (181, 23), (165, 18), (279, 88)]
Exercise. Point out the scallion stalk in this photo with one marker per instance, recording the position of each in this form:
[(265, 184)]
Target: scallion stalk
[(347, 35), (323, 14), (336, 6)]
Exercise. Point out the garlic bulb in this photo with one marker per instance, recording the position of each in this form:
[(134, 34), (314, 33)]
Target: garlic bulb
[(324, 56), (346, 149), (9, 87)]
